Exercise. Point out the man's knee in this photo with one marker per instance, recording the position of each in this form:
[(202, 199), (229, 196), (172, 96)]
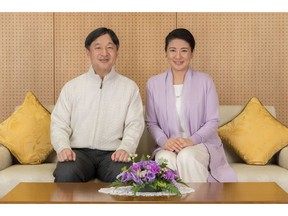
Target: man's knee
[(110, 173), (67, 172)]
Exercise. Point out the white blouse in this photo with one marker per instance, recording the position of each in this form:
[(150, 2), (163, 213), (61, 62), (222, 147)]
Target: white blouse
[(178, 94)]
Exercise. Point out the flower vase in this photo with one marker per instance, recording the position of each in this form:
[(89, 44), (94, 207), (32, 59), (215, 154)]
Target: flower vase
[(147, 188)]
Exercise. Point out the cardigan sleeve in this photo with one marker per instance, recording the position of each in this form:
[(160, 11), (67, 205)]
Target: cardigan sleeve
[(211, 115), (151, 117)]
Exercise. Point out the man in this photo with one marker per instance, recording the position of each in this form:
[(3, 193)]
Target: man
[(98, 119)]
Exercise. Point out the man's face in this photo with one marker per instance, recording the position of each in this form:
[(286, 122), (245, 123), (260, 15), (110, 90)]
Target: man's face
[(102, 53)]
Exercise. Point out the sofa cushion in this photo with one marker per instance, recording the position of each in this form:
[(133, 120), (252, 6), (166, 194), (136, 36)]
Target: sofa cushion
[(255, 173), (26, 133), (17, 173), (255, 135), (5, 158)]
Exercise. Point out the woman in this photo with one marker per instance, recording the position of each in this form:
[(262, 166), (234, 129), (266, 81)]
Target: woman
[(182, 116)]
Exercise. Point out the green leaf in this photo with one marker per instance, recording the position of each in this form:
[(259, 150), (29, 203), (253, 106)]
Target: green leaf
[(124, 168), (171, 188), (117, 183), (143, 158)]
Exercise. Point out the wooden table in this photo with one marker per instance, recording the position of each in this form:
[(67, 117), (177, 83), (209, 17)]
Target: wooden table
[(42, 193)]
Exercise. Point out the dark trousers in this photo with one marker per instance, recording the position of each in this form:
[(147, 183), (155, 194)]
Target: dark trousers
[(89, 164)]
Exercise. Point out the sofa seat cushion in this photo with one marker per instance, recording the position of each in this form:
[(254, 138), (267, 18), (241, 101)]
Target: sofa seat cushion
[(267, 173), (17, 173)]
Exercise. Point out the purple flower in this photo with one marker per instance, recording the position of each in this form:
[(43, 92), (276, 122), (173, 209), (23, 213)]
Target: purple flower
[(136, 178), (136, 167), (125, 176), (149, 172), (153, 167), (142, 164), (150, 176), (170, 175)]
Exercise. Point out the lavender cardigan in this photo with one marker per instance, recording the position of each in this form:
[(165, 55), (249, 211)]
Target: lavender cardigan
[(200, 107)]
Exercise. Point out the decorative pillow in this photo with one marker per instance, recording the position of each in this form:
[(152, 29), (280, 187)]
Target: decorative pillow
[(255, 135), (26, 133)]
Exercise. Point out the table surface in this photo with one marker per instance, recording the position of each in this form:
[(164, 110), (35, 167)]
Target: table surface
[(240, 192)]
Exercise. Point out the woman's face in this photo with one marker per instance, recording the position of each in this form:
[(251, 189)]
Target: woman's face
[(179, 55)]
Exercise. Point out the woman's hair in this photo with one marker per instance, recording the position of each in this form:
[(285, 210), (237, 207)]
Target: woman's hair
[(180, 33), (99, 32)]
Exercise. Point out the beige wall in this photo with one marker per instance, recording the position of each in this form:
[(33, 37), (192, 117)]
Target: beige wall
[(26, 59), (245, 53)]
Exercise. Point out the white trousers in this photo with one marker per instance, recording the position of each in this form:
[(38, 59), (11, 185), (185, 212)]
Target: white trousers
[(191, 162)]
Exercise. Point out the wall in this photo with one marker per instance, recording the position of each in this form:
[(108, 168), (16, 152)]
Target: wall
[(245, 53), (26, 59)]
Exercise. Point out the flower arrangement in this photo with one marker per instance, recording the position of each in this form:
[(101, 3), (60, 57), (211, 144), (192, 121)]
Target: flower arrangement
[(149, 174)]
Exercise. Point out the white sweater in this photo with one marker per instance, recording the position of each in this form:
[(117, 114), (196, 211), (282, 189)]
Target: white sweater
[(100, 115)]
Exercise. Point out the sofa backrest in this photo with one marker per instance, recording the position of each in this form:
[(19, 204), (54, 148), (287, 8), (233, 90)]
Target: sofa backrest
[(50, 108)]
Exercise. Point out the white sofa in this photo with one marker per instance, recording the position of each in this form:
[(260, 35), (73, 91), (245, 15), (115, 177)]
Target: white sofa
[(11, 172)]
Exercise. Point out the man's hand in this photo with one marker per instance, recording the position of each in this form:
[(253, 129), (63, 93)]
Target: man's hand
[(120, 156), (66, 155)]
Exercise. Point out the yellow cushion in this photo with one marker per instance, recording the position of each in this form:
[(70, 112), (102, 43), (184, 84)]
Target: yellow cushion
[(255, 135), (26, 133)]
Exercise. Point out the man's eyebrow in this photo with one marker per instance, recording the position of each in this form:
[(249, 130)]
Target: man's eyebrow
[(109, 43), (98, 43)]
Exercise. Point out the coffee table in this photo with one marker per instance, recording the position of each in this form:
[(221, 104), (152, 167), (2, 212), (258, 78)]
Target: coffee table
[(240, 192)]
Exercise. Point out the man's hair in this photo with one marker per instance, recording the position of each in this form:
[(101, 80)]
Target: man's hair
[(182, 34), (99, 32)]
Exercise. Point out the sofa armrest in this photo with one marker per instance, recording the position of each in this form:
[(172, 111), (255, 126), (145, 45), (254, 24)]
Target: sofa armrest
[(283, 157), (6, 158)]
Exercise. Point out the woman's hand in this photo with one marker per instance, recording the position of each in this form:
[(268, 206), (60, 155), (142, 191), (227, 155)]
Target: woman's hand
[(185, 142), (177, 144), (173, 144)]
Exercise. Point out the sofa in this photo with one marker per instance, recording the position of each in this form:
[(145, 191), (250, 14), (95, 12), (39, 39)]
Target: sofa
[(276, 170)]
